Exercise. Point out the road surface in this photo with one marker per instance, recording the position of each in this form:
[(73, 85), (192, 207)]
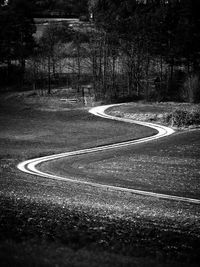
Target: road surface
[(33, 166)]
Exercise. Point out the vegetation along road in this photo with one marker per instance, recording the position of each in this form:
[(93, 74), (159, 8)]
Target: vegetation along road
[(50, 222)]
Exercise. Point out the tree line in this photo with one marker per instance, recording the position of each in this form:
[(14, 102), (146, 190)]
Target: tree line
[(16, 38), (159, 40), (60, 8), (133, 49)]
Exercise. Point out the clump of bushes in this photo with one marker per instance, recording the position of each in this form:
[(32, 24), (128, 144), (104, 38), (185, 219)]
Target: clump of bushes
[(184, 117)]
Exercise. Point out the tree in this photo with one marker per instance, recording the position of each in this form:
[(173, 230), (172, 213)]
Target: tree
[(165, 32), (16, 32), (53, 35)]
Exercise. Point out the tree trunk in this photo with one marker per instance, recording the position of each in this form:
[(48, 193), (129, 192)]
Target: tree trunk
[(22, 71), (49, 75)]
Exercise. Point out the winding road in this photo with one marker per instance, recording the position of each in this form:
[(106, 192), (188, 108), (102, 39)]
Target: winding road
[(31, 166)]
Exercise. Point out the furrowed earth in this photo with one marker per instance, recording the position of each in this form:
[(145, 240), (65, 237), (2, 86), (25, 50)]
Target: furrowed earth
[(54, 223)]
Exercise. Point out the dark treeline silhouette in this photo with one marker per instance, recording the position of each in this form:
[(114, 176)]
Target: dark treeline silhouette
[(16, 39), (160, 43), (132, 49), (61, 8)]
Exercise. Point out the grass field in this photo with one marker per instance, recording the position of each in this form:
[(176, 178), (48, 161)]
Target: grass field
[(53, 223), (163, 167)]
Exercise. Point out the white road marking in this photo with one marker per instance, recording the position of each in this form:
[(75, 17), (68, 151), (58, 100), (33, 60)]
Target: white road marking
[(30, 166)]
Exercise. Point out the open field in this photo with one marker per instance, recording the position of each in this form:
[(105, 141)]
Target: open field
[(169, 166), (30, 129), (47, 223)]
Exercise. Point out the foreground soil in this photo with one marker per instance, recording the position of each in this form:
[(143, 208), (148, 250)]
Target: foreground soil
[(53, 223)]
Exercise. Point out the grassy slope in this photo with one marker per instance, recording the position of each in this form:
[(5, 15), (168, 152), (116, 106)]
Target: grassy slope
[(27, 131), (169, 166), (44, 222)]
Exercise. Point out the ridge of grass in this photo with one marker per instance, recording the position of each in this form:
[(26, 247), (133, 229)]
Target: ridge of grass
[(177, 115)]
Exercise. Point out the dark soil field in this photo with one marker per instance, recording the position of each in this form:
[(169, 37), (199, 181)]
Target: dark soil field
[(53, 223)]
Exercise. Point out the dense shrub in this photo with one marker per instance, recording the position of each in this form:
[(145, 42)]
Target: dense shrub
[(184, 117)]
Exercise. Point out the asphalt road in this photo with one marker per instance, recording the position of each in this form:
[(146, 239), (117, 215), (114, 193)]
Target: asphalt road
[(169, 177)]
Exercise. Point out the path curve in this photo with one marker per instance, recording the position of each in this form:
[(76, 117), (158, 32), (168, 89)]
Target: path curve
[(30, 166)]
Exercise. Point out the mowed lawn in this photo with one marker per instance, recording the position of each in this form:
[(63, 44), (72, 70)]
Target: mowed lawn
[(170, 166), (30, 130)]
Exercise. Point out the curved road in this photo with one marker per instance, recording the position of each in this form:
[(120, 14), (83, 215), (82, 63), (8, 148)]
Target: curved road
[(30, 166)]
